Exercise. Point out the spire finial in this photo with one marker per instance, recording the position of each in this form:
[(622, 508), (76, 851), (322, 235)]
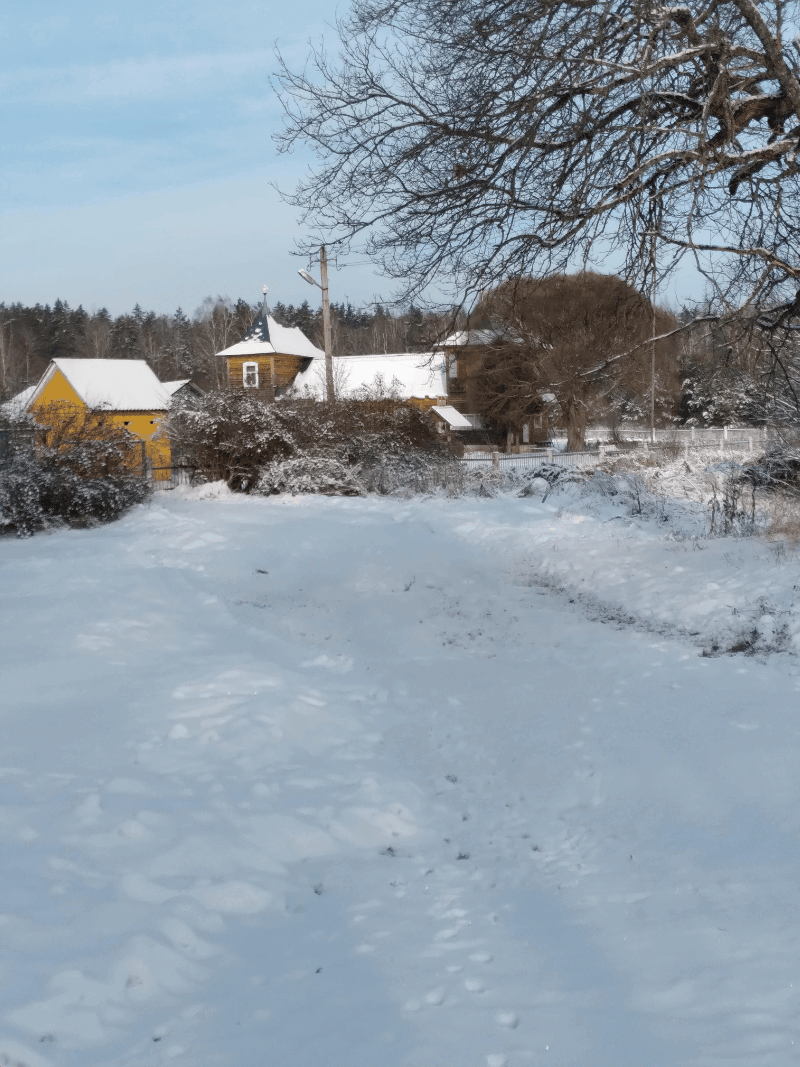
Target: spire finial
[(264, 314)]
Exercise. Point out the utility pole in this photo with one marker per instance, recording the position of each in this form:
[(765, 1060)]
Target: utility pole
[(653, 343), (326, 324), (326, 319)]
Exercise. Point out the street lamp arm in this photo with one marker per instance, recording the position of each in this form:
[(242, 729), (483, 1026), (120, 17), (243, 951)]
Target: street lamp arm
[(309, 278), (326, 317)]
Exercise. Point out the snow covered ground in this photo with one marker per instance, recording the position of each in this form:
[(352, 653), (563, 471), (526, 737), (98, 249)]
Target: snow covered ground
[(333, 782)]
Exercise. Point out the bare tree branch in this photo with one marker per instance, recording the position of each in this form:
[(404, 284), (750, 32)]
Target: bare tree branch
[(465, 142)]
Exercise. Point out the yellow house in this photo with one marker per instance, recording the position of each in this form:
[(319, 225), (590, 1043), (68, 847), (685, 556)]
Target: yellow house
[(126, 389)]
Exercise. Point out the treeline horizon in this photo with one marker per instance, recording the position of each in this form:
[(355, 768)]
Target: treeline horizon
[(179, 346)]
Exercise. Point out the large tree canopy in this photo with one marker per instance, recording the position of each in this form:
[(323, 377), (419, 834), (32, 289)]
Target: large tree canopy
[(475, 140), (584, 338)]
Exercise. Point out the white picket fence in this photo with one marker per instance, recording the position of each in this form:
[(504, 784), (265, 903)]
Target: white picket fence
[(724, 436), (523, 460), (721, 440)]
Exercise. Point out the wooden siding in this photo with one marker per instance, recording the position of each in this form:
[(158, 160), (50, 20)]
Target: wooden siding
[(463, 389), (427, 402), (274, 372), (461, 386)]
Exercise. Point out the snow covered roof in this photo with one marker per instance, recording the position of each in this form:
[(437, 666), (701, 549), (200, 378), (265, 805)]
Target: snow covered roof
[(267, 337), (114, 384), (16, 407), (471, 337), (408, 373), (452, 417), (173, 387)]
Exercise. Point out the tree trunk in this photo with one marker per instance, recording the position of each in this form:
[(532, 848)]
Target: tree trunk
[(575, 415)]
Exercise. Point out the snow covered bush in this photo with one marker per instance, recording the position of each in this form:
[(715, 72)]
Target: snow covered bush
[(84, 471), (230, 435), (298, 445), (309, 472)]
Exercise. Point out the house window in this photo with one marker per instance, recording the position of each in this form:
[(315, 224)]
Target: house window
[(453, 367), (526, 436), (537, 422), (250, 375), (126, 422)]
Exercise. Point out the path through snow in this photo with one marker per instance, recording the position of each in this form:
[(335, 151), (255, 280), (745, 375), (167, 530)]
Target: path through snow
[(330, 782)]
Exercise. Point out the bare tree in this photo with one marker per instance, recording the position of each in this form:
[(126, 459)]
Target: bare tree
[(97, 337), (581, 337), (476, 140), (217, 325)]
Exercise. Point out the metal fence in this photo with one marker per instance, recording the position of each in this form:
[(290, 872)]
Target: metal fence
[(163, 478)]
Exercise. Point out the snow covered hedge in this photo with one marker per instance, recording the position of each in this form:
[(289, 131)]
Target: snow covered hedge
[(297, 445), (76, 476)]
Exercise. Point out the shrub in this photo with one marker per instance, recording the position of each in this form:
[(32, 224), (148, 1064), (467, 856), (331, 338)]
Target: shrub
[(372, 444), (230, 435), (309, 472), (84, 470)]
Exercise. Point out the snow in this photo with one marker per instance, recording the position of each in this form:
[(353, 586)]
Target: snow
[(485, 336), (114, 384), (16, 407), (408, 373), (452, 417), (419, 782)]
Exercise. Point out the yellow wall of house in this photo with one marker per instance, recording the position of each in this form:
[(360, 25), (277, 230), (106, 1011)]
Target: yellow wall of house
[(427, 402), (58, 393)]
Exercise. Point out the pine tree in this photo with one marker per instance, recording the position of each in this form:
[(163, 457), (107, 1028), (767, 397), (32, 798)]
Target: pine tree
[(124, 340), (182, 347), (61, 331)]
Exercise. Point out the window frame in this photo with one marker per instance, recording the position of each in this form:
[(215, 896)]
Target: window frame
[(250, 365)]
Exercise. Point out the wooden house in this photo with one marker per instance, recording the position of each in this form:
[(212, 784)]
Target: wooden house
[(269, 357), (464, 352), (126, 390)]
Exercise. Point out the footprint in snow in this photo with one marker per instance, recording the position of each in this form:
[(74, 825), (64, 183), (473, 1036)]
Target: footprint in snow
[(448, 934), (496, 1059), (474, 985), (507, 1018), (436, 996), (481, 957)]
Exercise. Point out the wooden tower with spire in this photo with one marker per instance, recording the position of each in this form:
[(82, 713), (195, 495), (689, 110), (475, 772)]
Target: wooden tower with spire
[(269, 356)]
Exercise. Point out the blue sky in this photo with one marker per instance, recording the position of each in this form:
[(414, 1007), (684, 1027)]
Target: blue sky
[(137, 155)]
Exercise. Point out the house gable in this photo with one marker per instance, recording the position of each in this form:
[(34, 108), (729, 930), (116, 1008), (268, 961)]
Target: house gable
[(54, 390)]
